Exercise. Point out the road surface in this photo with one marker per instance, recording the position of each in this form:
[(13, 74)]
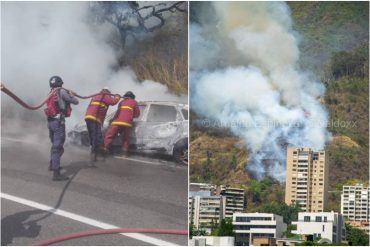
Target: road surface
[(137, 192)]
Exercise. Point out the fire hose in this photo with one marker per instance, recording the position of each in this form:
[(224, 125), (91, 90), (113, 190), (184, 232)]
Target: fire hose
[(22, 103), (108, 231)]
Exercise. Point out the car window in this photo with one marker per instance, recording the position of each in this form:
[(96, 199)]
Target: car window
[(185, 113), (161, 113), (142, 109)]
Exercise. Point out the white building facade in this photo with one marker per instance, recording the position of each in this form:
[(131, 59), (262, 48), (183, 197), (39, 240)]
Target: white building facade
[(248, 226), (325, 225)]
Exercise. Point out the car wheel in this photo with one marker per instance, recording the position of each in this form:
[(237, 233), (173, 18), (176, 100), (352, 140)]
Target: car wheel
[(180, 154), (85, 139)]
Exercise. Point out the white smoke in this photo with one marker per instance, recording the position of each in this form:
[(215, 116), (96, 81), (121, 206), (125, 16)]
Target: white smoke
[(244, 74), (42, 39)]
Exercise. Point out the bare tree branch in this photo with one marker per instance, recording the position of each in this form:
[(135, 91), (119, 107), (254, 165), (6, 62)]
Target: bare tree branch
[(130, 19)]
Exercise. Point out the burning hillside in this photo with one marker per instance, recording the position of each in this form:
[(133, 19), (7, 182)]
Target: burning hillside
[(243, 73)]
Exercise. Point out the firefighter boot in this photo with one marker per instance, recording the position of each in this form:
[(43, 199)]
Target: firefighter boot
[(59, 177), (104, 152)]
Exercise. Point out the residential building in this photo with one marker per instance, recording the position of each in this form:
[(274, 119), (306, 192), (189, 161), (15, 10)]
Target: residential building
[(234, 199), (250, 226), (329, 226), (355, 203), (205, 212), (306, 179), (234, 196), (203, 187)]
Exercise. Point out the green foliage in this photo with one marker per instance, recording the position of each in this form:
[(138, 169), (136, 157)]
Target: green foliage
[(225, 228), (288, 233), (313, 243), (351, 63), (347, 99), (356, 237), (258, 189), (195, 232), (328, 27), (288, 212), (260, 193)]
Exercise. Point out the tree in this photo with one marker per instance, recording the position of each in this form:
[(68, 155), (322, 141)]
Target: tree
[(288, 232), (225, 228), (130, 18), (288, 212), (195, 232), (356, 236), (258, 189)]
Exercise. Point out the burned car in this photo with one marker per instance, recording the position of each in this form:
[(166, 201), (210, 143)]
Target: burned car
[(162, 128)]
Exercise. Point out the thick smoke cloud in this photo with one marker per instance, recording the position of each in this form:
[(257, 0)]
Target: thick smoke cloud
[(42, 39), (244, 75)]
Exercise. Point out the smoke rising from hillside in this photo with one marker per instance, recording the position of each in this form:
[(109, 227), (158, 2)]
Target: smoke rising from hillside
[(244, 74), (42, 39)]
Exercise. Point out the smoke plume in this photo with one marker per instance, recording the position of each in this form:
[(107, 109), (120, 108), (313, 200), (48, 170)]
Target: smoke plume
[(244, 75), (42, 39)]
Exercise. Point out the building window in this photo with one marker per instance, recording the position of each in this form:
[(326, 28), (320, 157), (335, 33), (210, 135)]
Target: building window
[(325, 219), (318, 219), (307, 219)]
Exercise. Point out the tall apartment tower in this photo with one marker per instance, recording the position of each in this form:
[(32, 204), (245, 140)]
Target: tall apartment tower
[(355, 203), (306, 179)]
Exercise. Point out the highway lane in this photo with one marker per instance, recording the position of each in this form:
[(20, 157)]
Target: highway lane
[(135, 192)]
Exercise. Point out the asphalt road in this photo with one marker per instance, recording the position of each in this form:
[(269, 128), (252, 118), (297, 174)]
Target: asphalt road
[(138, 192)]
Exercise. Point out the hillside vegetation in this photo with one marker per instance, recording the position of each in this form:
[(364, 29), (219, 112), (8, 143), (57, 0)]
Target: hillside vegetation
[(334, 46), (162, 57)]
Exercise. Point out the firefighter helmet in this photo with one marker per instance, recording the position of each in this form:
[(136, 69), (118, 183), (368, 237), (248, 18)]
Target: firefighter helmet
[(105, 89), (55, 81), (129, 94)]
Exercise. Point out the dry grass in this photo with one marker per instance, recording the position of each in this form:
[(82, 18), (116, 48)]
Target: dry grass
[(162, 57), (172, 72)]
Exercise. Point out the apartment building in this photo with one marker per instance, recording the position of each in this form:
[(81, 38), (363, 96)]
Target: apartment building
[(203, 187), (206, 211), (306, 179), (355, 203), (234, 200), (329, 226), (252, 226)]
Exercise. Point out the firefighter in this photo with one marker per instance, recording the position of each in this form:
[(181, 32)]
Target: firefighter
[(94, 117), (57, 109), (122, 122)]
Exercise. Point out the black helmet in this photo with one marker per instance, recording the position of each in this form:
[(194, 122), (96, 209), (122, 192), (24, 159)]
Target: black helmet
[(129, 94), (55, 81)]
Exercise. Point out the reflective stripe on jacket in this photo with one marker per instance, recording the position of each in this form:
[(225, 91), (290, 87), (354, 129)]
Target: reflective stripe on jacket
[(98, 107), (126, 112)]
